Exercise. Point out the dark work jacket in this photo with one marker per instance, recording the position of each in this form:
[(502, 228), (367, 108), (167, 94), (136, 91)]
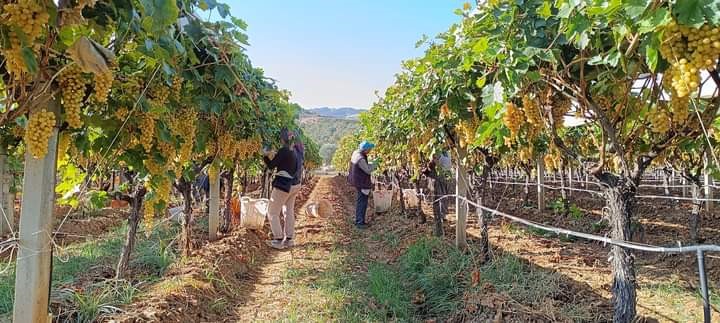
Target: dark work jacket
[(300, 160), (358, 177), (284, 160)]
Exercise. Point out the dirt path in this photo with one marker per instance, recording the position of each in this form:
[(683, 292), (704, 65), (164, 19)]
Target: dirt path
[(314, 241)]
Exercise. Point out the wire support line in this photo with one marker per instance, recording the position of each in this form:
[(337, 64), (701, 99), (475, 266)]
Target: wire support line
[(665, 197), (9, 242), (587, 236)]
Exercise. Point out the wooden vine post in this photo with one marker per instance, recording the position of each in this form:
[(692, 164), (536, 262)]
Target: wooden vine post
[(541, 184), (214, 215), (570, 181), (32, 274), (7, 200), (461, 205), (708, 183)]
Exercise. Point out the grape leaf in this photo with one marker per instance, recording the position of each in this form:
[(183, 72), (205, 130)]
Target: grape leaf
[(696, 12), (545, 10), (30, 61), (163, 12), (635, 8)]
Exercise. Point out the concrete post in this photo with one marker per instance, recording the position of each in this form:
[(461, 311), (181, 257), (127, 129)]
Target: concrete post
[(32, 275)]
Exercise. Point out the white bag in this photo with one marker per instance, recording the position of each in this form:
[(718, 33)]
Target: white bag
[(411, 198), (177, 213), (383, 200), (253, 212)]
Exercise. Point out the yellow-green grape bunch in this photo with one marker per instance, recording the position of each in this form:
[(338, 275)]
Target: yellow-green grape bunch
[(160, 94), (684, 77), (532, 115), (72, 84), (660, 121), (38, 132), (27, 15), (147, 131), (187, 134), (177, 84), (226, 145), (63, 144), (121, 113), (248, 147), (689, 50), (513, 119), (549, 161), (163, 188), (466, 132), (174, 122), (30, 18), (167, 150), (680, 107), (211, 147), (153, 167), (14, 62), (525, 154), (149, 215), (103, 83)]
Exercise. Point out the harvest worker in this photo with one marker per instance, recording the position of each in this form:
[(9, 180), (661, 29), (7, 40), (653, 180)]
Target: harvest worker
[(283, 192), (438, 170), (359, 177), (299, 150)]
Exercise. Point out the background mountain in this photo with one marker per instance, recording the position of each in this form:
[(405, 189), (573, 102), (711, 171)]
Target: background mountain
[(344, 112), (326, 126)]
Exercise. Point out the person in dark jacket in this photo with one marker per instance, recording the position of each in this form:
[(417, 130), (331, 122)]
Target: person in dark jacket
[(438, 170), (359, 177), (283, 192)]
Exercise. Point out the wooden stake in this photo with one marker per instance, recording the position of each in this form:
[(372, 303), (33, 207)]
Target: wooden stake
[(32, 274), (7, 199), (461, 205), (708, 184), (214, 216), (540, 183)]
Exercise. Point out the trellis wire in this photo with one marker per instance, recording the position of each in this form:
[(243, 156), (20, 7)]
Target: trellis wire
[(699, 250), (666, 197)]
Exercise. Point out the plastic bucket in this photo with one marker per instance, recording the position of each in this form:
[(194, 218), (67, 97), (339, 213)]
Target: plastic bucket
[(411, 198), (177, 213), (382, 200), (253, 212)]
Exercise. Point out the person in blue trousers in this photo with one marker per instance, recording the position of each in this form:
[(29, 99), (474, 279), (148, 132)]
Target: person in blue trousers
[(359, 177)]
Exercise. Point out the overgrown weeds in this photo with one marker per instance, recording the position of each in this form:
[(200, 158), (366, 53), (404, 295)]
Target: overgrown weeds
[(152, 256)]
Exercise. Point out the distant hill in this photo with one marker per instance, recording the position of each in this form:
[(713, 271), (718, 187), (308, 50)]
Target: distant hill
[(344, 112), (327, 130), (326, 126)]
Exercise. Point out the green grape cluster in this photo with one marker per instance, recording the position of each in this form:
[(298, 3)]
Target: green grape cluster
[(37, 134), (73, 84)]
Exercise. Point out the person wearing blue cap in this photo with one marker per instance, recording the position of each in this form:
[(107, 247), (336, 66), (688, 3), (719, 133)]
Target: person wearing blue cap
[(359, 177)]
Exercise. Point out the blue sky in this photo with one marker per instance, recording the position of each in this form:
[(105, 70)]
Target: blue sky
[(338, 52)]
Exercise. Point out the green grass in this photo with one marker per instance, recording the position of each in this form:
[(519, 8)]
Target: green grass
[(384, 292), (437, 270), (151, 254), (385, 286), (530, 286)]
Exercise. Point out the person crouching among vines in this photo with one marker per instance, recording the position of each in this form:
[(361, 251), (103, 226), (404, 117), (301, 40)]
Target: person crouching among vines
[(438, 170), (283, 192), (359, 177)]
